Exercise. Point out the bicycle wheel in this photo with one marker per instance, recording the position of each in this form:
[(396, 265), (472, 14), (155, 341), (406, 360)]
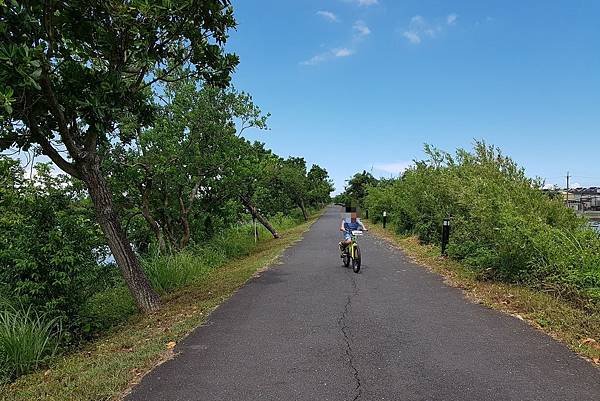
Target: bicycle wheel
[(356, 260), (346, 259)]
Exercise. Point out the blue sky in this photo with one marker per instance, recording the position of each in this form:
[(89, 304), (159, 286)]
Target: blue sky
[(363, 84)]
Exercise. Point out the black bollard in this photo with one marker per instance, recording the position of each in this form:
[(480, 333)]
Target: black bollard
[(367, 214), (445, 235), (384, 219)]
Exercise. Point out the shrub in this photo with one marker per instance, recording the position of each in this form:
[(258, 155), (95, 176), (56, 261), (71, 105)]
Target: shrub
[(503, 225), (106, 309), (49, 243)]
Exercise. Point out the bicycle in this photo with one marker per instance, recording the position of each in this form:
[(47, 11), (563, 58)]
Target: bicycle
[(352, 252)]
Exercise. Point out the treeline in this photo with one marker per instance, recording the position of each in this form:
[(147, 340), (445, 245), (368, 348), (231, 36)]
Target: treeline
[(504, 226), (132, 102)]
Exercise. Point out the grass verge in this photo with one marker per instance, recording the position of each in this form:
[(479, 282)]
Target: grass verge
[(106, 368), (578, 329)]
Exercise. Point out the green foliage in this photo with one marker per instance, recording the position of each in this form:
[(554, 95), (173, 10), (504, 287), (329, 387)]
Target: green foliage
[(169, 272), (75, 73), (49, 243), (98, 59), (171, 175), (189, 171), (503, 225), (356, 189), (132, 99), (105, 309), (27, 340)]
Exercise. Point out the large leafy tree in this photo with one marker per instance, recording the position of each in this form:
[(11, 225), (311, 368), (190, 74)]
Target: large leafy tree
[(319, 185), (177, 168), (356, 189), (250, 179), (292, 178), (72, 70)]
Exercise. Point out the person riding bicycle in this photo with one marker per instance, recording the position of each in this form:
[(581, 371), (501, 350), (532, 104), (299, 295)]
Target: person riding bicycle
[(347, 227)]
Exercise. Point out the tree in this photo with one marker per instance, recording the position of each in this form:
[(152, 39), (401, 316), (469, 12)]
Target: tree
[(292, 177), (319, 186), (72, 70), (357, 186), (177, 167)]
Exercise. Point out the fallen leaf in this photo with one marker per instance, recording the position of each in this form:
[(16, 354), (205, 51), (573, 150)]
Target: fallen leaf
[(596, 361), (588, 341), (171, 344)]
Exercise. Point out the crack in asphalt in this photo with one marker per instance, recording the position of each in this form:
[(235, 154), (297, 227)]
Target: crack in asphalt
[(346, 333)]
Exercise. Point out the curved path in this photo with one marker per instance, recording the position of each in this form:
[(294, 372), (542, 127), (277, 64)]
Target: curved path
[(311, 329)]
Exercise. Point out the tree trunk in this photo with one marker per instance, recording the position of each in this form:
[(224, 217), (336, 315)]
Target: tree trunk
[(185, 224), (146, 299), (154, 226), (258, 215), (303, 208)]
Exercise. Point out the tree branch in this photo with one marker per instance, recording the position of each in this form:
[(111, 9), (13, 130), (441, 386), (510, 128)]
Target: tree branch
[(164, 76), (63, 127), (51, 152)]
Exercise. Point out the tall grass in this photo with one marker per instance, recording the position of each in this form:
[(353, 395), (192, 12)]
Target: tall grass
[(169, 272), (172, 271), (27, 340)]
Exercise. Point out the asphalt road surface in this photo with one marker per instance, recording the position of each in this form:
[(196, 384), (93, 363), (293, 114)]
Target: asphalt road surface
[(310, 329)]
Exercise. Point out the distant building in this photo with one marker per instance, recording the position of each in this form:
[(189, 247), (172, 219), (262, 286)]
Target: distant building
[(583, 199)]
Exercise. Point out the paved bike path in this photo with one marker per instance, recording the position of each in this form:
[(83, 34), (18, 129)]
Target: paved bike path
[(310, 329)]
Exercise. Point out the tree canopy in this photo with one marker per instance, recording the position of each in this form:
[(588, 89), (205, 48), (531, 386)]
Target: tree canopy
[(72, 72)]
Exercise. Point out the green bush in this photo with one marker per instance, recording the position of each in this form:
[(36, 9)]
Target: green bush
[(106, 309), (27, 341), (503, 225), (49, 242)]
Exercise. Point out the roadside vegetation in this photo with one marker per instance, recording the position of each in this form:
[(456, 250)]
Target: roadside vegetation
[(504, 229), (151, 185), (105, 368)]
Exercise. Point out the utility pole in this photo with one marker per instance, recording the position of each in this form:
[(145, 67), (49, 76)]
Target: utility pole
[(568, 177)]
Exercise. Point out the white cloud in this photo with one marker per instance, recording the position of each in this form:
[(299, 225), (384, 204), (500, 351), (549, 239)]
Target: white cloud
[(393, 168), (451, 19), (343, 52), (329, 55), (328, 15), (318, 59), (361, 31), (412, 37), (419, 28), (361, 28), (363, 3), (367, 2)]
